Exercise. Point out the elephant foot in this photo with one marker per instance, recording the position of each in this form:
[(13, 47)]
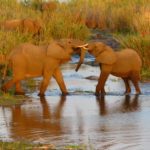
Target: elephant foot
[(19, 93), (100, 93), (97, 94), (41, 94), (138, 92), (65, 93), (128, 91)]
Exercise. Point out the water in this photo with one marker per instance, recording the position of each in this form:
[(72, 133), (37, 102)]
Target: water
[(113, 122)]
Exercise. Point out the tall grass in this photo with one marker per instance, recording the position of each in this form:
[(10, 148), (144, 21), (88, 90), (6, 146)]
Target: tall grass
[(56, 25)]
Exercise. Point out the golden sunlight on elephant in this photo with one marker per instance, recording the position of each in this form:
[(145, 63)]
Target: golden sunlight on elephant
[(23, 25), (28, 60), (125, 64)]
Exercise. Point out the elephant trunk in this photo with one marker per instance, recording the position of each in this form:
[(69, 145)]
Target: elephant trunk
[(83, 51)]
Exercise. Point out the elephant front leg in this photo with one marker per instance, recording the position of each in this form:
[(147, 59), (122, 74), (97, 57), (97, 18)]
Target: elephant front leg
[(46, 78), (59, 78), (101, 83)]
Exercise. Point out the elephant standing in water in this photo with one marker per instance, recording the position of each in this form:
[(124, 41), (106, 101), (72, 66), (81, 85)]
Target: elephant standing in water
[(28, 60), (125, 64)]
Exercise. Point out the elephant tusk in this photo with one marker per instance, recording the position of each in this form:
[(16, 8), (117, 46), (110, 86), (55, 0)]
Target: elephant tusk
[(83, 46)]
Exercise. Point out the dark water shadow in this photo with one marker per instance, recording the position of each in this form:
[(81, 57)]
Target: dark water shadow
[(129, 104)]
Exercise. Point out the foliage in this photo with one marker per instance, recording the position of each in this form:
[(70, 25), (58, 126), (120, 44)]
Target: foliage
[(21, 145), (9, 99), (57, 24)]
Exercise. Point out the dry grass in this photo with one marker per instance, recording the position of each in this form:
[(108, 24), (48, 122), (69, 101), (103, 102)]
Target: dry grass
[(57, 24)]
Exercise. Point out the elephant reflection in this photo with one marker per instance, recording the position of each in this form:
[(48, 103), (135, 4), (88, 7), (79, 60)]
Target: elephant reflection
[(25, 124), (128, 105), (102, 105)]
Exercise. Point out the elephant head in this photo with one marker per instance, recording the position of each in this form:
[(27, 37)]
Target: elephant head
[(64, 48), (103, 53)]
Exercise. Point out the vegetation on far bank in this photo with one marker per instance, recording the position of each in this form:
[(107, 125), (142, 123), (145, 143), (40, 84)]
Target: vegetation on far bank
[(7, 99), (30, 146), (128, 21)]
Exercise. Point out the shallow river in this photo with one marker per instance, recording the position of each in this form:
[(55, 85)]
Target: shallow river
[(113, 122)]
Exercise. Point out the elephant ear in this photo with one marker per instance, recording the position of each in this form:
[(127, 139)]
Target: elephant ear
[(106, 56), (57, 51)]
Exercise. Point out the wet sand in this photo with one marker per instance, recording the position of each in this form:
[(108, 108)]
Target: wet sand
[(114, 122)]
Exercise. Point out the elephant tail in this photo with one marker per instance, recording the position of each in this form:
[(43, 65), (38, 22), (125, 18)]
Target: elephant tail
[(7, 65)]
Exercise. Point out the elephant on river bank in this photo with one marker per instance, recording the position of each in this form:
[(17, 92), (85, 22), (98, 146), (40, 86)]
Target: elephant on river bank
[(23, 25)]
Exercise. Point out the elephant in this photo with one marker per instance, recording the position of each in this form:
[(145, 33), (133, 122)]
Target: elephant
[(49, 6), (24, 25), (125, 64), (28, 61)]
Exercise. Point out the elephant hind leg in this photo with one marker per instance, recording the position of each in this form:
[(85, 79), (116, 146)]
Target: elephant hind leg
[(127, 85), (14, 81), (135, 79), (19, 90), (8, 85)]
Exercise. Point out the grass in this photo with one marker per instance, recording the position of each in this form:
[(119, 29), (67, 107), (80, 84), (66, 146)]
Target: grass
[(30, 146), (24, 146), (56, 25), (7, 99)]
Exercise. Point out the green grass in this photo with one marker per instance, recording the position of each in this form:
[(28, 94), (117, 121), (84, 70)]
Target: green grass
[(7, 99), (30, 146), (145, 74), (75, 147), (24, 146)]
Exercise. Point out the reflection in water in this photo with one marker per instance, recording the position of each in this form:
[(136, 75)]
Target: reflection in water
[(128, 104), (24, 124), (101, 103), (110, 122)]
